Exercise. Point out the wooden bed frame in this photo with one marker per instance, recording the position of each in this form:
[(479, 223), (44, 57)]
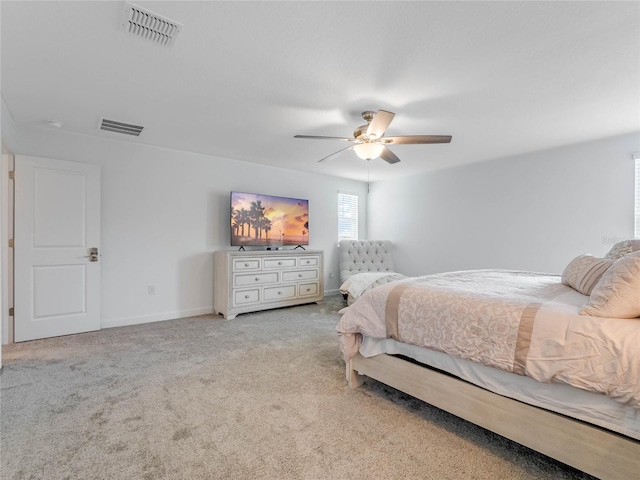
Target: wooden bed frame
[(594, 450)]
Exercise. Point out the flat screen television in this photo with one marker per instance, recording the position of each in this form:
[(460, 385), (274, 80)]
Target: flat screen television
[(267, 220)]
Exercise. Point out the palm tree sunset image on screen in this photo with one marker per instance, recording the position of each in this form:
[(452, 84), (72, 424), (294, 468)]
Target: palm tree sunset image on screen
[(266, 220)]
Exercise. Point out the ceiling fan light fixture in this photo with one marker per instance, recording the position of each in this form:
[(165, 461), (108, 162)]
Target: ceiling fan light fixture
[(370, 141), (368, 151)]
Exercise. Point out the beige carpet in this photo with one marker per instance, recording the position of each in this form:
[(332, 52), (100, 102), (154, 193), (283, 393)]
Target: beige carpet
[(259, 397)]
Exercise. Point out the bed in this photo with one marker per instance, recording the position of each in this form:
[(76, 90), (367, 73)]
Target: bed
[(365, 264), (544, 360)]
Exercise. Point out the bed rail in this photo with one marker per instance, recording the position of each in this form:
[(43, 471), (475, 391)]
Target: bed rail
[(594, 450)]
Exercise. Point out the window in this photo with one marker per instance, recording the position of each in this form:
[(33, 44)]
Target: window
[(347, 216), (637, 158)]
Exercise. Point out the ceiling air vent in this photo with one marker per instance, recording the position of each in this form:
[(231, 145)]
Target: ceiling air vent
[(119, 127), (151, 26)]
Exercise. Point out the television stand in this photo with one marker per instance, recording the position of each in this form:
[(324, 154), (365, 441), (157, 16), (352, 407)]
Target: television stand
[(260, 280)]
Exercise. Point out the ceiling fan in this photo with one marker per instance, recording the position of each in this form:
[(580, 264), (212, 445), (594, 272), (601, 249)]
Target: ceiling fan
[(370, 141)]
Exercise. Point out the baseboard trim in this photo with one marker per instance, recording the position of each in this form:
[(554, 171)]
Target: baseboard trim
[(156, 317), (161, 317)]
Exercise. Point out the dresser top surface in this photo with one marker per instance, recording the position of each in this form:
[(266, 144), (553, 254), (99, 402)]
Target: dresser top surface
[(249, 253)]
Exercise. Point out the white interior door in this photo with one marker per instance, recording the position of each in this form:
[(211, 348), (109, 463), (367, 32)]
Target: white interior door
[(57, 223)]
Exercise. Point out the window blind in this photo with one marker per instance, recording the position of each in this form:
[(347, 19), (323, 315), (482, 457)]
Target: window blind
[(637, 230), (347, 216)]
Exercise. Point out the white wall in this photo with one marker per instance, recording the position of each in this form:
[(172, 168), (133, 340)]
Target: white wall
[(165, 212), (530, 212), (7, 128)]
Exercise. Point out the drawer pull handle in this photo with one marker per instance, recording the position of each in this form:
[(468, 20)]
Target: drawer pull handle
[(300, 275), (257, 279), (308, 289), (246, 264), (279, 263), (279, 293), (246, 296)]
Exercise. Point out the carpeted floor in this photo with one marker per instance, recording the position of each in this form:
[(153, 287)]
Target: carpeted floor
[(259, 397)]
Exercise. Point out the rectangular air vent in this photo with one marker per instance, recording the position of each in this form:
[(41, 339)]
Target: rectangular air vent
[(145, 24), (120, 127)]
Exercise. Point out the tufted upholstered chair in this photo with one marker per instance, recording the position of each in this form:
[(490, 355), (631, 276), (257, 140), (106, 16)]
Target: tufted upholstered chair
[(357, 256)]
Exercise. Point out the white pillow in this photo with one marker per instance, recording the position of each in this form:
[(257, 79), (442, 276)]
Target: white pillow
[(584, 271), (623, 248), (617, 294)]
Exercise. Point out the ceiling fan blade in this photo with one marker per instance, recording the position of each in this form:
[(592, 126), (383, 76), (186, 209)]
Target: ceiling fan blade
[(388, 156), (335, 154), (324, 138), (380, 123), (406, 139)]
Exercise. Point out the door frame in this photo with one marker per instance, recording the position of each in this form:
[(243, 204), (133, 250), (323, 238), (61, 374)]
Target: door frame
[(6, 252)]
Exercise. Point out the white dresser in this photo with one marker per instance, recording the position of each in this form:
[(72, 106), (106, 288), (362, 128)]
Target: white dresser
[(260, 280)]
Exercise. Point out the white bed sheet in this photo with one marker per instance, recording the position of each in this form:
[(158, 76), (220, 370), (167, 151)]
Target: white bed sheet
[(590, 407)]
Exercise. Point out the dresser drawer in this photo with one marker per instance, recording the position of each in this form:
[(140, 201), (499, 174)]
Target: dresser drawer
[(299, 275), (306, 289), (279, 262), (243, 264), (309, 261), (279, 293), (258, 278), (246, 296)]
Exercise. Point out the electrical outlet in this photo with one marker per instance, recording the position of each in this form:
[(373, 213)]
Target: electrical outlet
[(151, 289)]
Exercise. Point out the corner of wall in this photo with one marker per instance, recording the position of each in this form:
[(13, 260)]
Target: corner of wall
[(7, 129)]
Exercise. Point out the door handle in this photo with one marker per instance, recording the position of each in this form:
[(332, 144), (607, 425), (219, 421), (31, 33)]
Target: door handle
[(93, 254)]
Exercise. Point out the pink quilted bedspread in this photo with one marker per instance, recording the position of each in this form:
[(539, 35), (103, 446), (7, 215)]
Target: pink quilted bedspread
[(521, 322)]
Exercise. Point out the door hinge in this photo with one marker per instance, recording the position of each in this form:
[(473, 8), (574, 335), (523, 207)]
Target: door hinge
[(11, 243), (12, 174), (11, 312)]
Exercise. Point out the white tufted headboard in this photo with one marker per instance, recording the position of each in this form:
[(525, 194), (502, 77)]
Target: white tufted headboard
[(357, 256)]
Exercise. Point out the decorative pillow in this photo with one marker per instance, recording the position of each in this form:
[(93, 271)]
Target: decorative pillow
[(584, 271), (617, 294), (623, 248)]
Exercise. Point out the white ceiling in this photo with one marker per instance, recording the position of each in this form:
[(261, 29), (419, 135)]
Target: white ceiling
[(244, 77)]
